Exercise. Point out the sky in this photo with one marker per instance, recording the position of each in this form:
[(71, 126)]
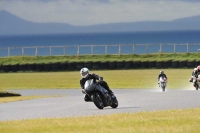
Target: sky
[(91, 12)]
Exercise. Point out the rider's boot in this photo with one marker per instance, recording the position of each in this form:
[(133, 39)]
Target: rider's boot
[(105, 85), (111, 93), (87, 98)]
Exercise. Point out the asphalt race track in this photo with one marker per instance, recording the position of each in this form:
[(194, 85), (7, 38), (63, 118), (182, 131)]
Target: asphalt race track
[(71, 103)]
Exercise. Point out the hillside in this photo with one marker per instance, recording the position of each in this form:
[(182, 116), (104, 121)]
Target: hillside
[(13, 25)]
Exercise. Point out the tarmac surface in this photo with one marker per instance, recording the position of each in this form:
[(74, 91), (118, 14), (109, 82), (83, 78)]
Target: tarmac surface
[(70, 103)]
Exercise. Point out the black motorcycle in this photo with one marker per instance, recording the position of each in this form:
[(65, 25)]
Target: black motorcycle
[(99, 95)]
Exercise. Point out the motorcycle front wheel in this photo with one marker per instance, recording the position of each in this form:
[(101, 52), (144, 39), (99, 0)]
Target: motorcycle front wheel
[(197, 86), (96, 98), (163, 85)]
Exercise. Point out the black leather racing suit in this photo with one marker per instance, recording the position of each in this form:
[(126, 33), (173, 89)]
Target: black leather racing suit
[(196, 73), (95, 78), (162, 75)]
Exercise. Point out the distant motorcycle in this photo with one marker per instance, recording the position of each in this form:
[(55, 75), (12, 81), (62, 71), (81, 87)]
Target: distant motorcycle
[(99, 95), (163, 83), (196, 81)]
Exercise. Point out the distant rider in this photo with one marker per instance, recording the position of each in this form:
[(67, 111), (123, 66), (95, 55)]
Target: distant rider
[(161, 75), (86, 76), (195, 73)]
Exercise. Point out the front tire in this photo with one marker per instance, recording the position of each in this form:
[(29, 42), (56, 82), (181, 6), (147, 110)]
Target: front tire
[(197, 86), (163, 86), (96, 98)]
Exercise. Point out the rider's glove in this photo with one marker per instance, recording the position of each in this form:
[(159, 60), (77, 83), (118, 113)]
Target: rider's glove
[(100, 79)]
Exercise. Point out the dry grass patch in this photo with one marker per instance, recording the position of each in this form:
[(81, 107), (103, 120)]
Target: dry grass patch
[(169, 121), (21, 98)]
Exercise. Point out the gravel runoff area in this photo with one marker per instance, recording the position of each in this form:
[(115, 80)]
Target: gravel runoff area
[(71, 103)]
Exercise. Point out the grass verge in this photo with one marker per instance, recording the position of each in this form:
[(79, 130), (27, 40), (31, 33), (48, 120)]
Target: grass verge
[(142, 57), (169, 121), (136, 78)]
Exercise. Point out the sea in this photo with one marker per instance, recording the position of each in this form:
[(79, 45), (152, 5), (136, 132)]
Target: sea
[(100, 43)]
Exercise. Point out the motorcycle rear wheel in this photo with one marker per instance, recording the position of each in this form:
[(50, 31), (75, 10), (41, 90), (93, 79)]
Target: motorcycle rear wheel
[(96, 98)]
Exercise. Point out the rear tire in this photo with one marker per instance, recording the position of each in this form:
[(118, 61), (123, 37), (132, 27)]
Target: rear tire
[(96, 98)]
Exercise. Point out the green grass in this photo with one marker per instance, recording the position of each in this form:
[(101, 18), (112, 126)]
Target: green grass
[(169, 121), (46, 59), (135, 78)]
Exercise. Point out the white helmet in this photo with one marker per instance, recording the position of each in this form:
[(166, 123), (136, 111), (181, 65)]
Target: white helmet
[(84, 72), (161, 72)]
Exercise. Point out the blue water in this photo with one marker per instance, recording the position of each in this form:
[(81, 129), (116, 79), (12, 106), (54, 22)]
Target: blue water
[(154, 39)]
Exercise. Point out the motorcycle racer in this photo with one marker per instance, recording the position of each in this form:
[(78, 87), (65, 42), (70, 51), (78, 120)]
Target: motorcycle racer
[(195, 73), (161, 75), (86, 76)]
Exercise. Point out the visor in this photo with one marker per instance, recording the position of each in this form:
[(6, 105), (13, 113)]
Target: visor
[(84, 73)]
